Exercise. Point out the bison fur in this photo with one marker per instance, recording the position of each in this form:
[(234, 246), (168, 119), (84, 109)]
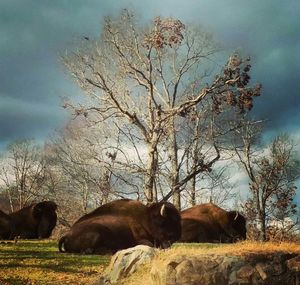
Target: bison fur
[(210, 223), (5, 225), (122, 224), (35, 221)]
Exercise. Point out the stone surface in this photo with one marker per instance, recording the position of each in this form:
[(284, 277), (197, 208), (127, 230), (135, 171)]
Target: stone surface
[(294, 264), (125, 262), (245, 272), (213, 269), (205, 269), (261, 269)]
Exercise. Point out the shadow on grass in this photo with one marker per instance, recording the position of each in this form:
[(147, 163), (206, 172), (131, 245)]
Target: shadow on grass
[(42, 255)]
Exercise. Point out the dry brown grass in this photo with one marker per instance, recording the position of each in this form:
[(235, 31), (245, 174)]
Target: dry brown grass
[(240, 248)]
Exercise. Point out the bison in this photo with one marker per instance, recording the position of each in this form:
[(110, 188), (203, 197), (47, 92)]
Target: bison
[(34, 221), (5, 225), (210, 223), (122, 224)]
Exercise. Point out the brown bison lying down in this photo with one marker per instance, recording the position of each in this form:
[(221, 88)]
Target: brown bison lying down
[(31, 222), (123, 224), (210, 223)]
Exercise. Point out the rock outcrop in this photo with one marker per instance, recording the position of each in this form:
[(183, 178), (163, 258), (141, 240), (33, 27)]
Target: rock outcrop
[(126, 262), (250, 265), (216, 269)]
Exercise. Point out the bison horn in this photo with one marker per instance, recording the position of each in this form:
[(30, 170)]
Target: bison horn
[(163, 210), (236, 215)]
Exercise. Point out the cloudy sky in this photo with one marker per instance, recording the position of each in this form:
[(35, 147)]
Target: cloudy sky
[(33, 33)]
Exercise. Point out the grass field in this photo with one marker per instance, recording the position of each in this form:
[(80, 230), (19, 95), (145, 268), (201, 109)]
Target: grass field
[(39, 262)]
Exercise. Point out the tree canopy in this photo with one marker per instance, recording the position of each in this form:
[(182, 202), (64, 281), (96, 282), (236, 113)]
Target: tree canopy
[(150, 83)]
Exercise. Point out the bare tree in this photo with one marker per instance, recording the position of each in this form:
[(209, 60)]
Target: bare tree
[(272, 173), (72, 153), (22, 173), (141, 78)]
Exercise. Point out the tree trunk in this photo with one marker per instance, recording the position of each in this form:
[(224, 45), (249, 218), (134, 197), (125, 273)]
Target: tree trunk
[(260, 207), (193, 192), (151, 173), (262, 212), (177, 198), (85, 195), (173, 151), (263, 230), (11, 204), (195, 162), (155, 199)]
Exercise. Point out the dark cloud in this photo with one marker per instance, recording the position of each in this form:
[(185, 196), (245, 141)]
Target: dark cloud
[(21, 119), (33, 33)]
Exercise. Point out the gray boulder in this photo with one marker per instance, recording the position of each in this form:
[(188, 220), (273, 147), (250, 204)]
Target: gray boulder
[(125, 262)]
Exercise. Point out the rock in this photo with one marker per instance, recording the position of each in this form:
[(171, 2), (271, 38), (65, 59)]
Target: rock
[(186, 270), (125, 262), (294, 264), (245, 272), (214, 269), (261, 269), (205, 269)]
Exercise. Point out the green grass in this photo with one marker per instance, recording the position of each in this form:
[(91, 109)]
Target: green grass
[(39, 262)]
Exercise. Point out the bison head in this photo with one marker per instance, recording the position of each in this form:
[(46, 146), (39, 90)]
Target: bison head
[(165, 223), (46, 217), (238, 229)]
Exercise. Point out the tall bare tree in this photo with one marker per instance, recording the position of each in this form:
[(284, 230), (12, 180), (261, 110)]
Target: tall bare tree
[(139, 79), (272, 174)]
